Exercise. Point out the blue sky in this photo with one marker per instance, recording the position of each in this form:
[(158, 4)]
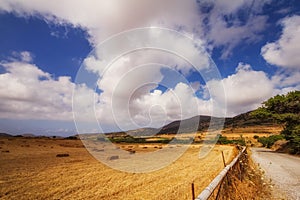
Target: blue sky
[(254, 44)]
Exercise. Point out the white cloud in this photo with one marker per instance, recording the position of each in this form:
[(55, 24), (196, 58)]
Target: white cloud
[(27, 92), (104, 18), (285, 51), (153, 109), (247, 89), (244, 90), (284, 54), (24, 56), (127, 83), (223, 27), (232, 36), (131, 99), (281, 80)]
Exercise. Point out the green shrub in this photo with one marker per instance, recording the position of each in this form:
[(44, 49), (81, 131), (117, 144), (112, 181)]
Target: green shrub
[(269, 141), (224, 140), (285, 110)]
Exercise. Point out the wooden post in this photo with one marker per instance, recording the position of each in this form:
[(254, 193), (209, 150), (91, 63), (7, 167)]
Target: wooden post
[(193, 191), (224, 163), (219, 190), (239, 170), (208, 191), (223, 159)]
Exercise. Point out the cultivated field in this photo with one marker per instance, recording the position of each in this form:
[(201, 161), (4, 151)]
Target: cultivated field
[(29, 169), (248, 133)]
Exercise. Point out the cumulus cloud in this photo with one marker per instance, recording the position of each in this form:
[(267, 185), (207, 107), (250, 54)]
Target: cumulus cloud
[(129, 93), (130, 96), (27, 92), (244, 90), (39, 96), (129, 82), (285, 51), (153, 109), (247, 89), (104, 18)]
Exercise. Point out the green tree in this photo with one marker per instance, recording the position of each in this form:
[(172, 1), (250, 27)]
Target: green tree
[(285, 109), (269, 141)]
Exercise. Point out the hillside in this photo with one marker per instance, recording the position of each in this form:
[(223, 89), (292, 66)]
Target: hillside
[(5, 135), (200, 123)]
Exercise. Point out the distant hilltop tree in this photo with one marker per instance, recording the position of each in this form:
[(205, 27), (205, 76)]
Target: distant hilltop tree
[(285, 109)]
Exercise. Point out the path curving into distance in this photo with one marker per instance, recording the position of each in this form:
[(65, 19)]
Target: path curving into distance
[(282, 169)]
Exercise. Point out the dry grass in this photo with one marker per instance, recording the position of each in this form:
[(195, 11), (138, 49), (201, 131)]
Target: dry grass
[(243, 181), (31, 170), (234, 133), (253, 130), (248, 133)]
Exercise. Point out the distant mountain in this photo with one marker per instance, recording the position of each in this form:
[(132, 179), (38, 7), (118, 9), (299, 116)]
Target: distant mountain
[(196, 123), (143, 132), (199, 123), (28, 135), (205, 122), (5, 135)]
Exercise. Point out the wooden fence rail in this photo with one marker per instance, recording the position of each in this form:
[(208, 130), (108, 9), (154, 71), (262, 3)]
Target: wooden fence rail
[(208, 191)]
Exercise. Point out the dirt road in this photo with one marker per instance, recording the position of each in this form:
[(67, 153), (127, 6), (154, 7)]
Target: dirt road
[(282, 169)]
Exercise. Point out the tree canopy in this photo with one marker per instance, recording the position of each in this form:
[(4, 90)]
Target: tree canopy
[(285, 109)]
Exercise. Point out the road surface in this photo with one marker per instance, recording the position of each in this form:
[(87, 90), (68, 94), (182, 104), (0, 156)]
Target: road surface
[(282, 169)]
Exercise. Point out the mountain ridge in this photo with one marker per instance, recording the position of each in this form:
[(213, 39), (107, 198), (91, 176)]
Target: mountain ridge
[(200, 123)]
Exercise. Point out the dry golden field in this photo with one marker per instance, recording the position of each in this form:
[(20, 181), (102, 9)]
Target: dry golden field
[(29, 169), (253, 130), (234, 133), (248, 133)]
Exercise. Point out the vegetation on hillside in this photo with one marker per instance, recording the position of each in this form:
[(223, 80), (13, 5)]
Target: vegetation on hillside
[(285, 109), (269, 141), (224, 140)]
